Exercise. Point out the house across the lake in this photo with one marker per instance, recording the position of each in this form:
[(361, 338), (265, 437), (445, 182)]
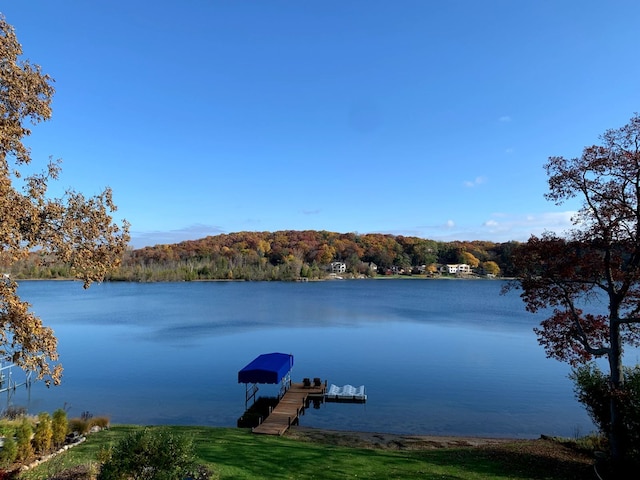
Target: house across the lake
[(338, 267), (456, 269)]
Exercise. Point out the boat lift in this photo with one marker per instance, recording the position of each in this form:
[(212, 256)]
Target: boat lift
[(8, 382)]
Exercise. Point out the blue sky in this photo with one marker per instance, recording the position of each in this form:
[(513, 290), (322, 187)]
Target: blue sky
[(422, 118)]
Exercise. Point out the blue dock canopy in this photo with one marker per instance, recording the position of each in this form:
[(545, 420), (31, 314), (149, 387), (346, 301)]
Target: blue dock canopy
[(267, 368)]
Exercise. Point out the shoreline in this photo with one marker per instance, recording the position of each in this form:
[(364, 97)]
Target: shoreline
[(394, 441)]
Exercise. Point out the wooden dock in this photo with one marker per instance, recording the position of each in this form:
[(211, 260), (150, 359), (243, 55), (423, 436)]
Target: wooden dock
[(289, 408)]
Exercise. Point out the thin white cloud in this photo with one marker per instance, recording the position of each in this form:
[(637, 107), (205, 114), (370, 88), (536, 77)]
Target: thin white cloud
[(521, 227), (504, 119), (474, 183), (500, 227)]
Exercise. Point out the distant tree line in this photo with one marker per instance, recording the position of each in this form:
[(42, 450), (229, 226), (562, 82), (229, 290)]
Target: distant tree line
[(289, 255)]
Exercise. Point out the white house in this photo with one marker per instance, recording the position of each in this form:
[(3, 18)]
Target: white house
[(338, 267), (456, 269)]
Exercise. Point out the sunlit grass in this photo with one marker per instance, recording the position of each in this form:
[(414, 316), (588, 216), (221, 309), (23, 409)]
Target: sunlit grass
[(239, 454)]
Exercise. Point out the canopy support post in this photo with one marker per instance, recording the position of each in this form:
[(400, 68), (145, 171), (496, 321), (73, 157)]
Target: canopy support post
[(250, 393)]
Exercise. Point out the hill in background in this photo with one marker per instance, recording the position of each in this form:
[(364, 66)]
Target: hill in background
[(294, 255)]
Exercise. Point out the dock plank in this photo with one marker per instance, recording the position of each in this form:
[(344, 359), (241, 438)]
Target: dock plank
[(289, 408)]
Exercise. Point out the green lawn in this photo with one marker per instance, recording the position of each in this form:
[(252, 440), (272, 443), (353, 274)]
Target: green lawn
[(239, 454)]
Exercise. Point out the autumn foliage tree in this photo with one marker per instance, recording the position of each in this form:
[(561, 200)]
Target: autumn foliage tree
[(490, 267), (75, 230), (590, 278)]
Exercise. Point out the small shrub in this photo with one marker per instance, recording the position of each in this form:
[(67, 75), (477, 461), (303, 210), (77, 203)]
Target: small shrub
[(102, 422), (105, 452), (79, 425), (9, 452), (23, 441), (14, 412), (151, 453), (43, 436), (592, 443), (593, 390), (60, 426)]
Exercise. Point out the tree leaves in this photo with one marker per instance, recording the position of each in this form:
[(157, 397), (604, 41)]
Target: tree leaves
[(600, 259), (75, 230)]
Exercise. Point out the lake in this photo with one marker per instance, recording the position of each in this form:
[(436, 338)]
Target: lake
[(436, 356)]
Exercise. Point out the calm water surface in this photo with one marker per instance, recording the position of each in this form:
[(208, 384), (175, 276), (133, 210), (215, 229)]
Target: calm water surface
[(435, 356)]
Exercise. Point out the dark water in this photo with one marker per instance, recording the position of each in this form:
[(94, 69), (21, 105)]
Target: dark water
[(436, 356)]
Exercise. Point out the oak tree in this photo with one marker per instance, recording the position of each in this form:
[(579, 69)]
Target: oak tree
[(590, 277), (75, 230)]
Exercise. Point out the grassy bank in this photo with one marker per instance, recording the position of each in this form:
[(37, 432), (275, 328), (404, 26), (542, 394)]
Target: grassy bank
[(239, 454)]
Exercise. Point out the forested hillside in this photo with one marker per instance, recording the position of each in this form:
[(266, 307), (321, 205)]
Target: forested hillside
[(290, 255)]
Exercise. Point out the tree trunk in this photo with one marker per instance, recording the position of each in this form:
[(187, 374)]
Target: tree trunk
[(616, 435)]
